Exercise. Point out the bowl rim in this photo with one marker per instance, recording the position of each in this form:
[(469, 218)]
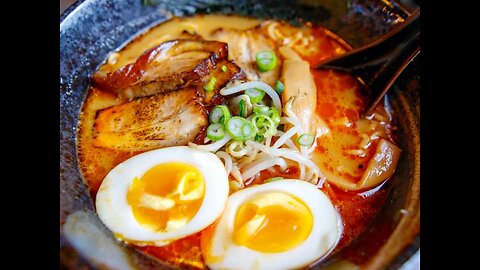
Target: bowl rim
[(69, 10), (403, 260)]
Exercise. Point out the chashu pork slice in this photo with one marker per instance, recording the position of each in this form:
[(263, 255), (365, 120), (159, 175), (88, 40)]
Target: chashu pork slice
[(168, 67), (229, 72), (146, 123), (243, 46)]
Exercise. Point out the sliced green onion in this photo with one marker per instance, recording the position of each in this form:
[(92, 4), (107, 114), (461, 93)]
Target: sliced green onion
[(270, 112), (259, 120), (259, 138), (255, 94), (275, 116), (305, 139), (241, 104), (210, 84), (266, 60), (219, 114), (216, 132), (260, 109), (236, 108), (224, 68), (273, 179), (264, 125), (279, 87), (240, 129), (248, 131)]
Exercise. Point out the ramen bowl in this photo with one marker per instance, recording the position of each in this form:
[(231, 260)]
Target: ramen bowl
[(90, 30)]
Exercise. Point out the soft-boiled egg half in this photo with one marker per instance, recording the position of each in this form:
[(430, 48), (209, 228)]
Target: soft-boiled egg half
[(283, 224), (162, 195)]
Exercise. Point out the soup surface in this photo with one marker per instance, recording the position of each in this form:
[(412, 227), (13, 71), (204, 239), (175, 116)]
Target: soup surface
[(347, 156)]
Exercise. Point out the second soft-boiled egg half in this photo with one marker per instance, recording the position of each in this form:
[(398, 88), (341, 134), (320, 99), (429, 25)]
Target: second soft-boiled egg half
[(285, 224), (163, 195)]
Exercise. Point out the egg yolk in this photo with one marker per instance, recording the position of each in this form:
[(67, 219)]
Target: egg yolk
[(272, 222), (167, 196)]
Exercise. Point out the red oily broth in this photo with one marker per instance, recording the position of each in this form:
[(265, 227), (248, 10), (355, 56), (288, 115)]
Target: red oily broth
[(339, 102)]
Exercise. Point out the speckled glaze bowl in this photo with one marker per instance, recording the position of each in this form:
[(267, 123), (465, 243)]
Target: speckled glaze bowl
[(90, 29)]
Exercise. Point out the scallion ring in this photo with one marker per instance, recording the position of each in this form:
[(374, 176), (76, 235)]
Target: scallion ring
[(266, 60), (259, 138), (248, 131), (305, 139), (275, 116), (243, 110), (219, 114), (279, 87), (264, 125), (260, 109), (216, 132), (210, 84), (256, 95), (240, 129)]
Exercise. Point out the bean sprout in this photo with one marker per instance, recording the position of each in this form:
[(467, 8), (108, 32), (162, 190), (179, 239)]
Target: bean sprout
[(286, 136), (212, 147), (257, 167), (227, 160), (255, 84), (237, 175), (244, 160), (288, 142)]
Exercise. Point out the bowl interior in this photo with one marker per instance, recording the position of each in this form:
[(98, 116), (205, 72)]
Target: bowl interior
[(89, 30)]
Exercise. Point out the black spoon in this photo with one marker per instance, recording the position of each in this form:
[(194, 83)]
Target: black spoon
[(377, 65)]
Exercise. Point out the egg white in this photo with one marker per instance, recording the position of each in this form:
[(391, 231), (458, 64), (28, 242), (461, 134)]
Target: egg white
[(223, 253), (115, 212)]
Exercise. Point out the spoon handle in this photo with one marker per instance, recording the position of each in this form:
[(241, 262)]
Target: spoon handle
[(386, 76), (378, 64)]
